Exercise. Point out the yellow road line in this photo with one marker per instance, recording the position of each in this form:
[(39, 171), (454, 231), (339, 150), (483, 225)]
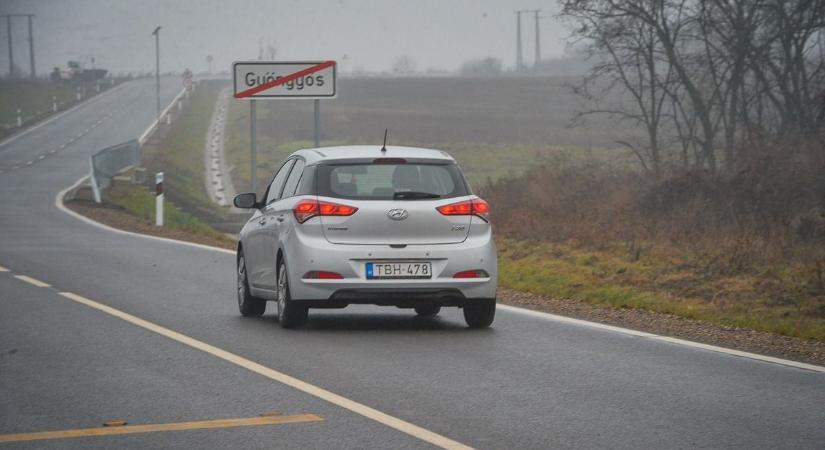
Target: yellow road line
[(152, 428), (33, 281), (343, 402), (3, 269)]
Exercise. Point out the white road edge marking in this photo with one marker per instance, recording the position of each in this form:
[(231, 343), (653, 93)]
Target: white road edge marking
[(58, 201), (657, 337), (32, 281), (315, 391), (17, 136), (3, 269)]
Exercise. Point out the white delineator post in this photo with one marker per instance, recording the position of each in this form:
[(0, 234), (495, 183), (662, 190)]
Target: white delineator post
[(54, 103), (19, 118), (159, 199)]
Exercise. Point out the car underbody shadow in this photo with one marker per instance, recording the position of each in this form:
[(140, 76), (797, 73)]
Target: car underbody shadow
[(354, 320)]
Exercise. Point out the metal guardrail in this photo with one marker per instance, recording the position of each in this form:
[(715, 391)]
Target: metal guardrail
[(143, 137), (110, 161)]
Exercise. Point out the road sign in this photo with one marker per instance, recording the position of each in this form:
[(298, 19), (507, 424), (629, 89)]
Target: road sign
[(187, 78), (284, 79)]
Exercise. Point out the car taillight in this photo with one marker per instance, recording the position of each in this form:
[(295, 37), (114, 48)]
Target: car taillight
[(478, 273), (474, 207), (322, 275), (307, 209)]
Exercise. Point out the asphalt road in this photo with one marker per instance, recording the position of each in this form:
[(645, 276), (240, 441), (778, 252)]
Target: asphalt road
[(528, 382)]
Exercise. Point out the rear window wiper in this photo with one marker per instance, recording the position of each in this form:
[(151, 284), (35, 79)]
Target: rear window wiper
[(403, 195)]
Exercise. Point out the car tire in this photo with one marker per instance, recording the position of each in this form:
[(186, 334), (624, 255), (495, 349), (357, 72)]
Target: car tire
[(290, 314), (248, 305), (480, 313), (428, 310)]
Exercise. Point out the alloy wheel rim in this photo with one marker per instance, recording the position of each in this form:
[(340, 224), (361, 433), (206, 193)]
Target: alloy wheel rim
[(241, 280), (281, 288)]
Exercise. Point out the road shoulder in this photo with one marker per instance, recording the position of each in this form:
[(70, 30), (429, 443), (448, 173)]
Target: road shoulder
[(738, 339)]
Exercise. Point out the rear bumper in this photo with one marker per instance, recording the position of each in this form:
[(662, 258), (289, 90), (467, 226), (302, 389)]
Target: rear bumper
[(477, 252)]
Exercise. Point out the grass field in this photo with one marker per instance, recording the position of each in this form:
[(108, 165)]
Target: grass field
[(667, 280), (179, 153), (31, 97), (139, 201), (494, 127)]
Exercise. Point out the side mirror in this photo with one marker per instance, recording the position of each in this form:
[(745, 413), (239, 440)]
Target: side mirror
[(246, 201)]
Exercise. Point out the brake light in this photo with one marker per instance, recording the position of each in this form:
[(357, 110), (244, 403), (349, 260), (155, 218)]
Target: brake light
[(474, 207), (478, 273), (322, 275), (307, 209)]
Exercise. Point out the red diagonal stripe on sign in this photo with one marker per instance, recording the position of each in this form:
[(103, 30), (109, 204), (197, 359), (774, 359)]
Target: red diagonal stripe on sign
[(294, 76)]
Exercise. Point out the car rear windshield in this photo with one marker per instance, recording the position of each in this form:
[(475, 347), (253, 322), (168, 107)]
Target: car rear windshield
[(407, 181)]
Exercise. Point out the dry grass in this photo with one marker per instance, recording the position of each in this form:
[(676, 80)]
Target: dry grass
[(726, 249)]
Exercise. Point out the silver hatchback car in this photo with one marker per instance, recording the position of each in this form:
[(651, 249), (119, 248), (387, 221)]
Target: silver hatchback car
[(395, 226)]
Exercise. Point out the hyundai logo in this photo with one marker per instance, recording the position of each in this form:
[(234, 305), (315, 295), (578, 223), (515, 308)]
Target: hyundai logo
[(397, 214)]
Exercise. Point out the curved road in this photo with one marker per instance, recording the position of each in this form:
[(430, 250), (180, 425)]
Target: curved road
[(529, 382)]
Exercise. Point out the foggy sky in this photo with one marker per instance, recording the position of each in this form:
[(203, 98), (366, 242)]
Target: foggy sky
[(359, 34)]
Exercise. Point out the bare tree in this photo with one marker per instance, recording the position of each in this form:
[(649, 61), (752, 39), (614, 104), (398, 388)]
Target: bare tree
[(631, 63), (711, 74)]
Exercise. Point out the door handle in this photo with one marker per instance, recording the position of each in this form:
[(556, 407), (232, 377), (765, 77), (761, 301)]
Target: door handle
[(262, 221), (280, 218)]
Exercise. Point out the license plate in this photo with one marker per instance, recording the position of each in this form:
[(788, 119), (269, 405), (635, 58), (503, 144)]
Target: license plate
[(399, 270)]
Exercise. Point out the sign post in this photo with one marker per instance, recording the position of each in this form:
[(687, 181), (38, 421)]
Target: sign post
[(159, 199), (312, 80), (317, 122), (253, 160)]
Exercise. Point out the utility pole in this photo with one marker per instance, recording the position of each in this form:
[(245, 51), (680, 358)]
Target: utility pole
[(519, 59), (11, 49), (538, 39), (31, 47), (156, 34), (11, 45)]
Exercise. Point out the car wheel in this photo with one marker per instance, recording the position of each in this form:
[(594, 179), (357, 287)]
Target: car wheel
[(480, 313), (290, 314), (248, 305), (428, 310)]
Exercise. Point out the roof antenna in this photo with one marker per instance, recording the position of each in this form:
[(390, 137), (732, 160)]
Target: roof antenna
[(384, 147)]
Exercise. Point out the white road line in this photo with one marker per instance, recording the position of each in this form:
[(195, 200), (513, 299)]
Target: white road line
[(58, 201), (672, 340), (315, 391), (41, 156), (53, 151), (32, 281), (28, 163), (3, 269), (17, 136)]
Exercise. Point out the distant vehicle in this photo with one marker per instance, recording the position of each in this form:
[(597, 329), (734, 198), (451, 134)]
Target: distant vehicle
[(361, 225), (75, 73)]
